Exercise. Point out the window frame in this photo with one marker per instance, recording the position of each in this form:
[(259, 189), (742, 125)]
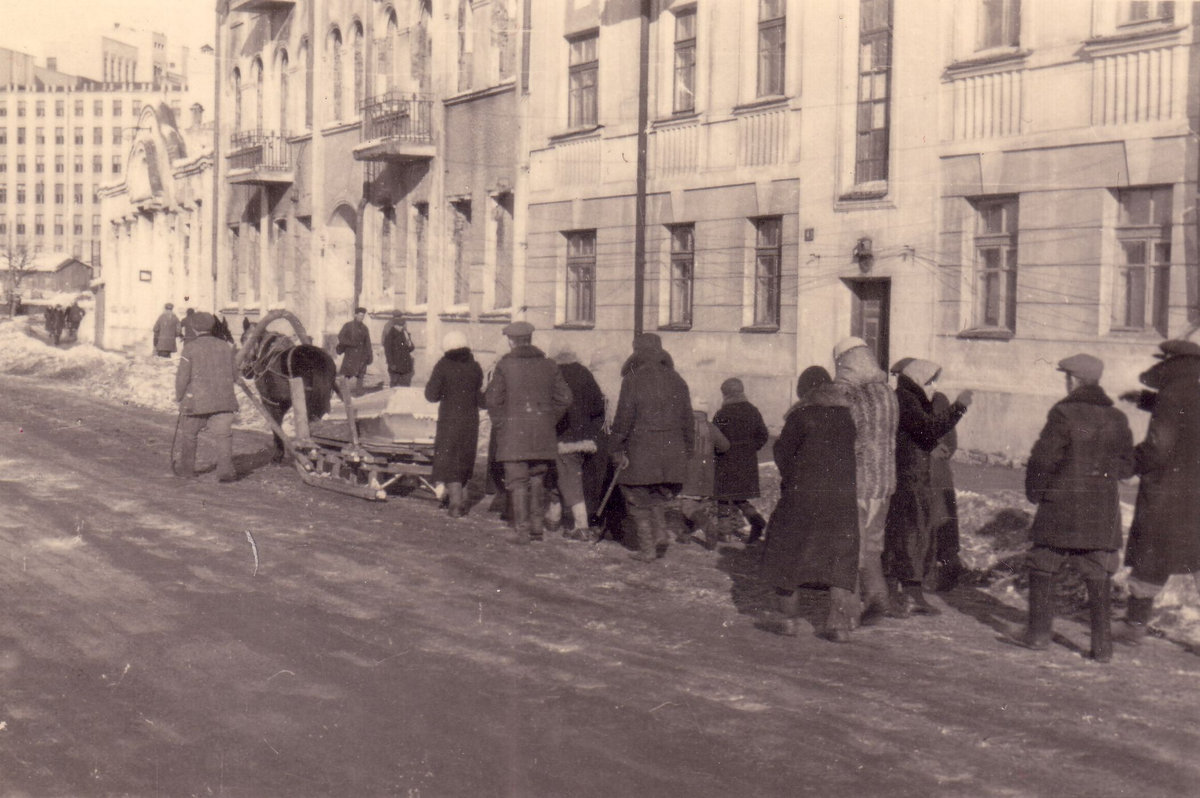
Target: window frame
[(579, 305), (1154, 236), (873, 143), (684, 74), (1003, 274), (771, 50), (767, 279), (681, 276), (1007, 31), (583, 99)]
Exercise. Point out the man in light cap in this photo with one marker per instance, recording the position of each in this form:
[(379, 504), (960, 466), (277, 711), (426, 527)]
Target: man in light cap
[(166, 330), (204, 390), (1083, 451), (1164, 538), (525, 399), (876, 414)]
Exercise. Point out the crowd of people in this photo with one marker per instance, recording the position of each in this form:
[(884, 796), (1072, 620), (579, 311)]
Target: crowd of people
[(58, 320), (867, 504)]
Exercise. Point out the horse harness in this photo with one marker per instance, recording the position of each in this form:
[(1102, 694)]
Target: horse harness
[(267, 356)]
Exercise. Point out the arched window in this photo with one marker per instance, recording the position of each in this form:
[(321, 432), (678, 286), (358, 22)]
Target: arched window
[(387, 55), (335, 68), (306, 65), (237, 100), (360, 77), (258, 94), (281, 63)]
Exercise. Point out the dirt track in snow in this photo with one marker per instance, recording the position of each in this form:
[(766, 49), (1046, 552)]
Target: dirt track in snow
[(381, 649)]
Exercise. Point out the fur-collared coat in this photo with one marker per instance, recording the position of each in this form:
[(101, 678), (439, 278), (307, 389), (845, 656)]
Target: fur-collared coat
[(525, 399), (455, 385)]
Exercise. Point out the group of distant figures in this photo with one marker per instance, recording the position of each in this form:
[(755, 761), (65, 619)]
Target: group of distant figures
[(59, 320)]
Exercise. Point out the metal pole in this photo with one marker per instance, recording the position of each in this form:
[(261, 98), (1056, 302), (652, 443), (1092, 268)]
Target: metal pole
[(639, 212)]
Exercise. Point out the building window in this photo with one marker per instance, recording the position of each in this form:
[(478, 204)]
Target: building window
[(39, 225), (78, 136), (685, 61), (96, 226), (460, 232), (581, 277), (20, 164), (20, 193), (79, 193), (683, 273), (77, 224), (874, 76), (116, 164), (20, 108), (137, 107), (116, 135), (996, 263), (20, 135), (1138, 12), (1142, 280), (3, 136), (78, 164), (768, 261), (583, 73), (97, 107), (39, 164), (387, 229), (60, 165), (60, 136), (3, 195), (21, 226), (772, 29), (466, 37), (3, 164), (97, 164), (97, 136), (999, 23), (3, 108), (60, 194), (502, 237), (39, 136), (41, 108), (420, 219), (59, 229), (60, 108), (116, 108), (39, 193), (79, 108), (360, 67), (335, 64)]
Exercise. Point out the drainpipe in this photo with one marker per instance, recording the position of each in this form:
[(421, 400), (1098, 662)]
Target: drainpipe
[(639, 211), (218, 72)]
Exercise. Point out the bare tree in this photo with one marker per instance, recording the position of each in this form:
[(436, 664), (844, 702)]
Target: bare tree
[(19, 264)]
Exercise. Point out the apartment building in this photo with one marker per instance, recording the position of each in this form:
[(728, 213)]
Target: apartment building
[(367, 156)]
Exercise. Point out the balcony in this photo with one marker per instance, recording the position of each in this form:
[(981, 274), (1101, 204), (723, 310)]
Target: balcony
[(258, 158), (396, 127), (260, 6)]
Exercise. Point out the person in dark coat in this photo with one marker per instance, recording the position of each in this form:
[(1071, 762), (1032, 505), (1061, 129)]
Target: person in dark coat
[(525, 399), (166, 330), (1084, 450), (354, 343), (455, 385), (58, 320), (186, 331), (907, 540), (74, 317), (204, 389), (651, 442), (812, 538), (398, 347), (696, 496), (578, 432), (736, 479), (1164, 538)]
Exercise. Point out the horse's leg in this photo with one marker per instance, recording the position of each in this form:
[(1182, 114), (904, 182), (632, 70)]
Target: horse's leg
[(277, 413)]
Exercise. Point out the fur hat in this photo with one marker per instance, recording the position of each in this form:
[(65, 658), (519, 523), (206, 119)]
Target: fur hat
[(454, 340), (846, 344)]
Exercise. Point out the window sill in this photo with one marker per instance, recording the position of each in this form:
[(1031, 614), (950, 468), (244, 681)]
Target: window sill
[(576, 325), (875, 190), (678, 117), (300, 137), (495, 317), (1137, 333), (760, 328), (577, 133), (455, 315), (341, 127), (1135, 35), (993, 58), (676, 327), (761, 103), (478, 94), (986, 334)]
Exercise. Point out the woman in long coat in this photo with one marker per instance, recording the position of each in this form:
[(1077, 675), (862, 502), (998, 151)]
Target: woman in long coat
[(908, 534), (812, 539), (455, 384), (736, 477)]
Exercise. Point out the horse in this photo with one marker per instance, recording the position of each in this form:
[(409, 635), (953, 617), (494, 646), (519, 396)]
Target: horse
[(272, 358)]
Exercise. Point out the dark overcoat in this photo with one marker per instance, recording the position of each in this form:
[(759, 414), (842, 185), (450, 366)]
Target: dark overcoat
[(166, 330), (736, 476), (205, 377), (701, 469), (907, 537), (455, 385), (1165, 536), (398, 347), (653, 425), (354, 343), (525, 399), (812, 537), (584, 418), (1073, 471)]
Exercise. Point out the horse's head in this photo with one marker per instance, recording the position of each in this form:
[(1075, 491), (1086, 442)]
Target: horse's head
[(246, 328), (221, 330)]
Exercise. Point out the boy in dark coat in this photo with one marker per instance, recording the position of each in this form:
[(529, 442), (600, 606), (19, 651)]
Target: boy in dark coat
[(1083, 451), (525, 399), (736, 480), (1164, 538), (204, 390), (455, 385), (354, 342)]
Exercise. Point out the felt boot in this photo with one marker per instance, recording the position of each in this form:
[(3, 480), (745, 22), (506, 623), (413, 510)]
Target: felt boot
[(1100, 606), (1041, 612)]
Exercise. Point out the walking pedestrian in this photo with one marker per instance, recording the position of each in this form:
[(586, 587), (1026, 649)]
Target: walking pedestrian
[(398, 347), (166, 331), (455, 385), (651, 442), (812, 538), (187, 330), (74, 317), (875, 410), (578, 431), (908, 544), (1072, 476), (525, 399), (354, 343), (204, 390), (1164, 538), (696, 502), (736, 478)]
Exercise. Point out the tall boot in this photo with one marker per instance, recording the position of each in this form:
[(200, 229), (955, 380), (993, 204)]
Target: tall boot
[(186, 466), (1137, 621), (645, 537), (581, 529), (841, 615), (662, 535), (1100, 604), (873, 591), (537, 507), (1041, 611), (454, 490), (757, 525), (518, 508)]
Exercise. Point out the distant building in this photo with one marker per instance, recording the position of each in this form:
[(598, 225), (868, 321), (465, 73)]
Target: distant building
[(50, 274)]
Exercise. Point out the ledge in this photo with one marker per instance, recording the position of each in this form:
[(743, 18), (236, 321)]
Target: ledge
[(455, 315), (761, 103), (863, 194), (479, 94), (759, 329), (576, 325), (677, 327), (679, 118), (495, 317), (987, 61), (986, 334), (1130, 38), (578, 133), (341, 127)]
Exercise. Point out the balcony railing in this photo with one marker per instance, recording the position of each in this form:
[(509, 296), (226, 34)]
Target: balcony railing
[(259, 157), (396, 126), (260, 5)]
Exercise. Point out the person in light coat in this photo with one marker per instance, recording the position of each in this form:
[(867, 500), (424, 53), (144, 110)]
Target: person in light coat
[(166, 330), (204, 390)]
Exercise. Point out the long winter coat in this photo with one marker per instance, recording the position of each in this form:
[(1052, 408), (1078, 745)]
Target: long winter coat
[(1165, 536), (941, 475), (584, 418), (875, 411), (812, 538), (354, 343), (653, 424), (398, 348), (526, 398), (737, 467), (204, 379), (907, 537), (701, 468), (166, 330), (455, 385), (1073, 472)]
